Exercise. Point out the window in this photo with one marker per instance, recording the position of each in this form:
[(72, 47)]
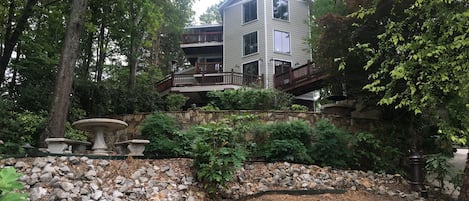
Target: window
[(250, 11), (281, 66), (282, 42), (250, 72), (250, 43), (281, 9)]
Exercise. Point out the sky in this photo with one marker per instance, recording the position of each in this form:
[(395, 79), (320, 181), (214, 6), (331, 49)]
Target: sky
[(201, 5)]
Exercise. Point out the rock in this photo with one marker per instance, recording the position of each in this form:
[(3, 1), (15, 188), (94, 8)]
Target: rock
[(66, 186), (182, 187), (20, 164), (90, 174), (37, 193), (46, 177), (97, 194)]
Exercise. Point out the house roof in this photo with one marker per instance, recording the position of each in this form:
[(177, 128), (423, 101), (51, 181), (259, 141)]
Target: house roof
[(203, 26)]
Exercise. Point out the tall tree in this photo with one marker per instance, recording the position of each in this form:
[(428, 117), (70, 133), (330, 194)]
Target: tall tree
[(211, 15), (13, 31), (61, 99), (420, 63)]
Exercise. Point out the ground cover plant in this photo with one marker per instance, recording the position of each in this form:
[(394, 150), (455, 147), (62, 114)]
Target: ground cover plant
[(166, 139)]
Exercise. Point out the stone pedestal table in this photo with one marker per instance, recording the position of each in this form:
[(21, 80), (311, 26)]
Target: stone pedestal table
[(98, 126)]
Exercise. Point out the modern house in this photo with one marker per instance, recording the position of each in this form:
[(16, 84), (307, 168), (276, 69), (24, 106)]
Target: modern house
[(261, 43)]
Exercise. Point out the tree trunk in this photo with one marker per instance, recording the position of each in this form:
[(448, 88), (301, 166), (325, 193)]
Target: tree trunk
[(464, 194), (155, 50), (12, 39), (61, 99), (133, 47)]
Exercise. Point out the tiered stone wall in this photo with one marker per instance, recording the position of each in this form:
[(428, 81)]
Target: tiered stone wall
[(191, 118)]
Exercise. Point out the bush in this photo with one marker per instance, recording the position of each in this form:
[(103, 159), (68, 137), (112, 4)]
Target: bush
[(286, 150), (18, 128), (210, 107), (284, 141), (250, 99), (165, 139), (216, 155), (333, 147), (175, 102), (370, 153), (9, 185), (298, 108)]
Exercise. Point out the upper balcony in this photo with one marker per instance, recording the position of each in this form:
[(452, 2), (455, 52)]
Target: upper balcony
[(202, 39)]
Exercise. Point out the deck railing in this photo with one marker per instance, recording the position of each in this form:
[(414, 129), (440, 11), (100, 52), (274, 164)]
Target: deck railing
[(203, 79), (203, 37), (297, 75), (209, 67)]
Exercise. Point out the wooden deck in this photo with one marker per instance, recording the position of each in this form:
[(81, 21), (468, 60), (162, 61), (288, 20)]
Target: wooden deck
[(301, 80), (296, 81)]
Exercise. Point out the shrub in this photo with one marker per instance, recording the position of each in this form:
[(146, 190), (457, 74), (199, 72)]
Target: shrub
[(298, 108), (286, 150), (370, 153), (9, 185), (333, 146), (165, 140), (250, 99), (210, 107), (216, 155), (438, 165), (74, 134), (18, 128), (284, 141), (175, 102)]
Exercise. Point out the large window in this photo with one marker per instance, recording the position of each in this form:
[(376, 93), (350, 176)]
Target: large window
[(250, 11), (281, 66), (282, 42), (250, 43), (281, 9), (250, 72)]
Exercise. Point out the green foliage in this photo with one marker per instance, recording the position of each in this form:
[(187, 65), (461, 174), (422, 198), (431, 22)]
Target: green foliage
[(10, 187), (211, 15), (216, 155), (298, 108), (438, 166), (74, 134), (18, 128), (370, 153), (333, 146), (286, 150), (209, 107), (175, 102), (165, 139), (250, 99)]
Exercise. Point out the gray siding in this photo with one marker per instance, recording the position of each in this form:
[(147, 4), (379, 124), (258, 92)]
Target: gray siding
[(234, 29)]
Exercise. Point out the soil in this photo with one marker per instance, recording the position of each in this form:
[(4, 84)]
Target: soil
[(347, 196)]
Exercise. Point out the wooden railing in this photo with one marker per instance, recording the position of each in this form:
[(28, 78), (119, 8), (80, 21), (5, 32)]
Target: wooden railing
[(297, 75), (223, 78), (203, 37), (209, 67)]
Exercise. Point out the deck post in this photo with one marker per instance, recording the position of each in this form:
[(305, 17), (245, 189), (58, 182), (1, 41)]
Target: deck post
[(262, 81), (172, 79), (290, 73), (309, 68), (232, 75)]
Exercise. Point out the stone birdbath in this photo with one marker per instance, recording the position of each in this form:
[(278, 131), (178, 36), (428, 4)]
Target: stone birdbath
[(98, 126)]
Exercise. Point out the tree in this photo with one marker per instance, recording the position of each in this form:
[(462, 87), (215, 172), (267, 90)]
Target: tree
[(61, 100), (420, 63), (13, 32), (211, 15)]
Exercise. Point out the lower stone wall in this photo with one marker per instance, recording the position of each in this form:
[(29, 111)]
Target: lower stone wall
[(81, 178), (191, 118)]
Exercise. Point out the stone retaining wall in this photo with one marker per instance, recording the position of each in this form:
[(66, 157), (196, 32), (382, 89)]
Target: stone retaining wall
[(81, 178), (190, 118)]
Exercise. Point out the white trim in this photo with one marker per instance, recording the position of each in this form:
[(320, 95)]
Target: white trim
[(242, 45), (289, 42), (266, 63), (242, 12), (251, 61)]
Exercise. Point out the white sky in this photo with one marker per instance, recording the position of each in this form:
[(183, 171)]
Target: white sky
[(201, 5)]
